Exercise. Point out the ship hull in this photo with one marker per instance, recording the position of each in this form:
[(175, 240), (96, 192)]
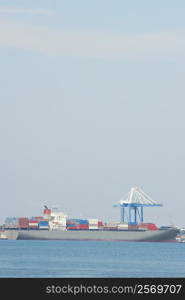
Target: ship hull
[(122, 235)]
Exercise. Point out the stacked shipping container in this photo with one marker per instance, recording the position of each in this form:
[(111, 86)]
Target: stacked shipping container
[(111, 226), (23, 223), (11, 222), (33, 224), (123, 226), (73, 224), (54, 221), (44, 225), (14, 222), (93, 224)]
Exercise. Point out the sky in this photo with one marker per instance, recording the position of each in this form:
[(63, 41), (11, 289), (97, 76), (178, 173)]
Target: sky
[(92, 102)]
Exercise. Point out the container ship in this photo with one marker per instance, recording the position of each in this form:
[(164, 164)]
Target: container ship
[(55, 225)]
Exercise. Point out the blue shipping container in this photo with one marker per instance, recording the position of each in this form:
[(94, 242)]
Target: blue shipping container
[(78, 221), (43, 223), (84, 222), (11, 220), (132, 223)]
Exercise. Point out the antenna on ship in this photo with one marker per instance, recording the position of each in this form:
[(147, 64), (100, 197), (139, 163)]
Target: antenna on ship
[(135, 200)]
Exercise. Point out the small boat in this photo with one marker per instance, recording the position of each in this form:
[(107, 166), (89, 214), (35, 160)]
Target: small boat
[(3, 236), (181, 236)]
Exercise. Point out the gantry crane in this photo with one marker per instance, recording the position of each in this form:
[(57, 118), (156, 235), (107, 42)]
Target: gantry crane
[(132, 205)]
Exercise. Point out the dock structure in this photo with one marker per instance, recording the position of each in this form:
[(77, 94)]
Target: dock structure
[(132, 205)]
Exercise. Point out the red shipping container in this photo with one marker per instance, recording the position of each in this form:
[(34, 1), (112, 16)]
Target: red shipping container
[(132, 227), (71, 228), (23, 222), (33, 221), (149, 226), (83, 226), (100, 223), (111, 228), (22, 219), (78, 227)]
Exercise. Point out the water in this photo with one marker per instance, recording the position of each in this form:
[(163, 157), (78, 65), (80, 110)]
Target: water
[(91, 259)]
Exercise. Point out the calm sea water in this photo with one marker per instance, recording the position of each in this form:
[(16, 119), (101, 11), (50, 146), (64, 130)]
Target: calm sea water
[(91, 259)]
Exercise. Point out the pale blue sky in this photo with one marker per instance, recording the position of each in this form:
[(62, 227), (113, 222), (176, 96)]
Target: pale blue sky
[(92, 103)]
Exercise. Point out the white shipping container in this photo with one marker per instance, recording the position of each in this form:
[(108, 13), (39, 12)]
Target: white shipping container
[(123, 226), (43, 227), (33, 224), (11, 225), (93, 221), (112, 225), (93, 227)]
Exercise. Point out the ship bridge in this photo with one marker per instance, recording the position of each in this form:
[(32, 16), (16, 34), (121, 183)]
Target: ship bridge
[(132, 205)]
